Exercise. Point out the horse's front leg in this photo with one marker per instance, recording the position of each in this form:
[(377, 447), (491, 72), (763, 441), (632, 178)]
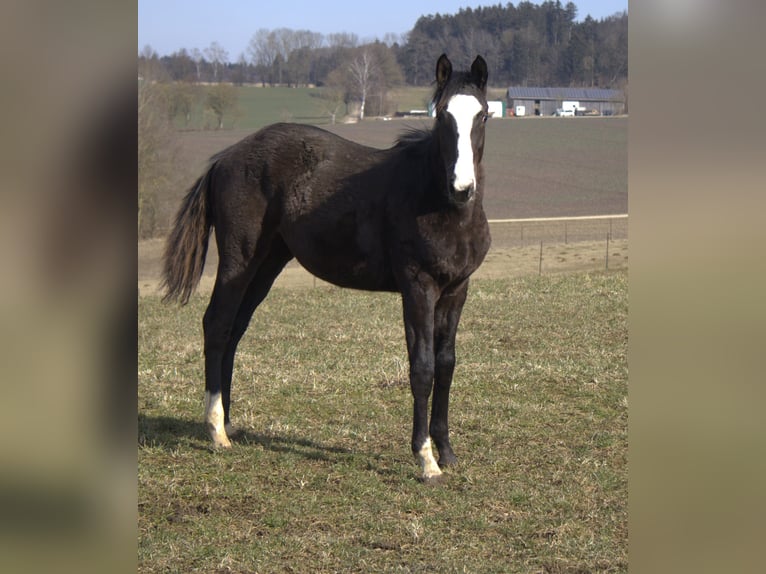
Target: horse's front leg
[(419, 302), (447, 316)]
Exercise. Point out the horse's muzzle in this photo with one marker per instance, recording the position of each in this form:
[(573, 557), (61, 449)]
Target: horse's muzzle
[(462, 196)]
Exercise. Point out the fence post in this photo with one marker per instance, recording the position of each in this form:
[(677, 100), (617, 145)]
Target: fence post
[(540, 268), (607, 251)]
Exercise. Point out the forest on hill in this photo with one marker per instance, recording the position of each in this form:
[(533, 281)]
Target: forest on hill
[(524, 44)]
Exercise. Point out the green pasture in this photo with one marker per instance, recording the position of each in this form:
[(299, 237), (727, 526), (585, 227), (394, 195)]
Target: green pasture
[(320, 477), (257, 107), (260, 106)]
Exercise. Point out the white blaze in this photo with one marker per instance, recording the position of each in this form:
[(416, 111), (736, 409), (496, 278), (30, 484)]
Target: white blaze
[(464, 109)]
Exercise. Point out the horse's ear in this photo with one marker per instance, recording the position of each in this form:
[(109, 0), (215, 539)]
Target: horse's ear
[(479, 73), (443, 71)]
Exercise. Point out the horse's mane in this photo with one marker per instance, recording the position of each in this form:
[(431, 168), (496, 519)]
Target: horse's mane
[(412, 137)]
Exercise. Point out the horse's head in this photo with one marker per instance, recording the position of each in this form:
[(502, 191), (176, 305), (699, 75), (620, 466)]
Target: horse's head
[(461, 112)]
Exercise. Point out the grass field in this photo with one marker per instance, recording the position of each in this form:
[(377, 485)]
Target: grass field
[(320, 478), (257, 107), (262, 106)]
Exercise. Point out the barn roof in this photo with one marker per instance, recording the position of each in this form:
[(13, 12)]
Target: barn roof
[(583, 94)]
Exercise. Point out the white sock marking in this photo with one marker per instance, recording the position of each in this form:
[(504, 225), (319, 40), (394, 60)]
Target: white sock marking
[(214, 419), (464, 109), (427, 460)]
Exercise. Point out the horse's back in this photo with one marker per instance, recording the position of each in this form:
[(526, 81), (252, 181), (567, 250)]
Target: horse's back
[(324, 195)]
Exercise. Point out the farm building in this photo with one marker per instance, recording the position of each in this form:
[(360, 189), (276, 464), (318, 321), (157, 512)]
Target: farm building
[(545, 101)]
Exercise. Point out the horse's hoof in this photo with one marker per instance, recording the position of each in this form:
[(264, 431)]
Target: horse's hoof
[(447, 459), (220, 440), (434, 480)]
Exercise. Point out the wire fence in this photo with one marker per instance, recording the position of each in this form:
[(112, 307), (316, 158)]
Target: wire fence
[(519, 247), (524, 232), (556, 244)]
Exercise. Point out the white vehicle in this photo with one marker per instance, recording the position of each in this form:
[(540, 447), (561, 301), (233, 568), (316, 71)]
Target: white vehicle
[(564, 113)]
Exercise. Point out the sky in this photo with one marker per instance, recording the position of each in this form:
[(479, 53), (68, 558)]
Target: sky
[(169, 25)]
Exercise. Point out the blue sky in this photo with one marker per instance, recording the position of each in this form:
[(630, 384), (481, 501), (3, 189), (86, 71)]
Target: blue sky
[(168, 25)]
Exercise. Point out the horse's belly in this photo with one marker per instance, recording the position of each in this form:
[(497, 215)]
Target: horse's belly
[(344, 259), (354, 274)]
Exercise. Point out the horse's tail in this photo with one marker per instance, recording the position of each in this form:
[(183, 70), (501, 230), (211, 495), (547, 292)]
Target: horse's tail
[(187, 243)]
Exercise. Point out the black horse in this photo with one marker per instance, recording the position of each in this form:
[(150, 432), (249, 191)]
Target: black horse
[(408, 219)]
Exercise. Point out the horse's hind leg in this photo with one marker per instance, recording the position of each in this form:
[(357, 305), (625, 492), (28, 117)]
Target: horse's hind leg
[(259, 287), (237, 291), (218, 322)]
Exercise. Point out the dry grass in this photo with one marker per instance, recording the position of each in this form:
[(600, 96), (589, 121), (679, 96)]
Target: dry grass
[(320, 478)]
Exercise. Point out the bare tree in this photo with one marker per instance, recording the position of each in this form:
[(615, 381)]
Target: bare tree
[(196, 55), (364, 71), (217, 56), (149, 66), (263, 50), (389, 39), (342, 40)]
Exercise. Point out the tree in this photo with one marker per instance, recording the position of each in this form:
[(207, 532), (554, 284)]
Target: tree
[(180, 99), (240, 70), (389, 75), (150, 68), (364, 71), (222, 100), (332, 96), (196, 57), (217, 57), (530, 43), (612, 57), (180, 66), (263, 51), (156, 154), (342, 40)]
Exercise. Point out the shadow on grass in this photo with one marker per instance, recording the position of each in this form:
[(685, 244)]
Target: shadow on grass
[(171, 433)]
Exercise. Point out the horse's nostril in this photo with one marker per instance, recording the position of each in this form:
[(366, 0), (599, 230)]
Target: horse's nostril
[(464, 186), (462, 195)]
